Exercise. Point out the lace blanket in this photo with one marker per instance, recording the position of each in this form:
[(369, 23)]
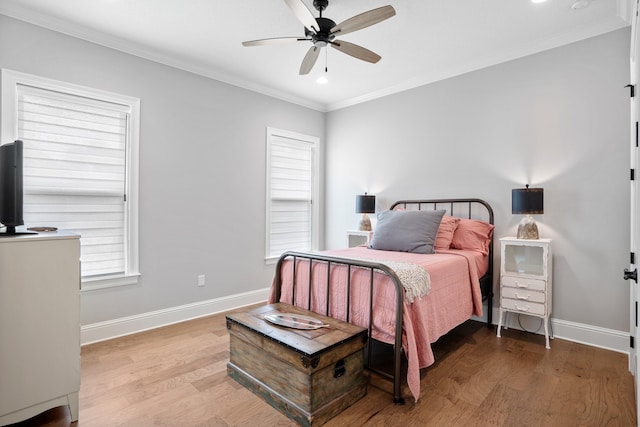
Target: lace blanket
[(414, 278)]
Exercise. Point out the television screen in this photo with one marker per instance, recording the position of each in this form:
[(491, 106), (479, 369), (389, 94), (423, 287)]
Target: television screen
[(11, 187)]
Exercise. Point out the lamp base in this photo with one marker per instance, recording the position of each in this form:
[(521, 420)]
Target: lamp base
[(365, 223), (527, 229)]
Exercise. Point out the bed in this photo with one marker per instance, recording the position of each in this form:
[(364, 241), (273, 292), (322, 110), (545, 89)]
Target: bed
[(388, 292)]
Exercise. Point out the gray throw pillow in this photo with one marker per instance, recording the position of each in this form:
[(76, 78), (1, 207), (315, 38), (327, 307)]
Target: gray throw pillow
[(407, 231)]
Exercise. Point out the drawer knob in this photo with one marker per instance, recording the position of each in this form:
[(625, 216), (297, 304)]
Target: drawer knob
[(521, 285), (521, 309), (523, 297)]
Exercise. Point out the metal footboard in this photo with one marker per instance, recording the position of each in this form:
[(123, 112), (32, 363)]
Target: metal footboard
[(327, 262)]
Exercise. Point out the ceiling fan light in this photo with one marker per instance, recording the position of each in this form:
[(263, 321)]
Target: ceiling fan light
[(322, 80)]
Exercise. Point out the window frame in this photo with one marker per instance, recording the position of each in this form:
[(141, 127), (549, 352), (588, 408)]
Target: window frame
[(314, 142), (10, 80)]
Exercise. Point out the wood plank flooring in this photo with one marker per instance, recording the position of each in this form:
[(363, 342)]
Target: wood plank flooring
[(176, 376)]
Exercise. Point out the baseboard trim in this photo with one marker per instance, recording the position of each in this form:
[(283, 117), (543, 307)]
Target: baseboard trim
[(594, 336), (115, 328)]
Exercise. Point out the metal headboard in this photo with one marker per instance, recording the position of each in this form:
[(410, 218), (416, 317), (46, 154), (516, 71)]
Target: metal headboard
[(463, 208)]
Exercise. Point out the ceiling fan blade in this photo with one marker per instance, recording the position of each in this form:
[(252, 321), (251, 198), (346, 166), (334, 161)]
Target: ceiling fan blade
[(356, 51), (303, 14), (275, 40), (309, 60), (364, 20)]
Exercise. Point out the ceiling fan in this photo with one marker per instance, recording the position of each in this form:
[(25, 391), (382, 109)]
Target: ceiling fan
[(323, 31)]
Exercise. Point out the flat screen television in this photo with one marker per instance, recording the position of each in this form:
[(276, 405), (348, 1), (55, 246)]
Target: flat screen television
[(11, 188)]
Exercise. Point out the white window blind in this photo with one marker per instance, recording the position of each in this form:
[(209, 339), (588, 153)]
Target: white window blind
[(75, 172), (291, 190)]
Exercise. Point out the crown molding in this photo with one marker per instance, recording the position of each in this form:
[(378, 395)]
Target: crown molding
[(17, 11), (90, 35), (438, 75)]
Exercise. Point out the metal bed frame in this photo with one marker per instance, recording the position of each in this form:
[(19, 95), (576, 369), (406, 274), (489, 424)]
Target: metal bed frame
[(468, 206)]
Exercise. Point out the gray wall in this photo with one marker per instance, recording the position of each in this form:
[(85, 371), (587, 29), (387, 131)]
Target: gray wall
[(202, 169), (558, 119)]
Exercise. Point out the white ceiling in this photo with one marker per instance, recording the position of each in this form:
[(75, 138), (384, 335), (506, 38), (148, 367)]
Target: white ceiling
[(427, 40)]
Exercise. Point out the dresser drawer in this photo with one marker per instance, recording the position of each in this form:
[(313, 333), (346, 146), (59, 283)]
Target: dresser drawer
[(523, 306), (524, 283), (523, 294)]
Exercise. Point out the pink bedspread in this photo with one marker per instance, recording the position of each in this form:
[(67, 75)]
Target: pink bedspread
[(454, 297)]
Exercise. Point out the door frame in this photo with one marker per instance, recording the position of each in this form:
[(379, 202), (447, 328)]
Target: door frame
[(634, 194)]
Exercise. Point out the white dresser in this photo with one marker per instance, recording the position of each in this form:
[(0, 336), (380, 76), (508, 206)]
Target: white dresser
[(525, 280), (39, 324)]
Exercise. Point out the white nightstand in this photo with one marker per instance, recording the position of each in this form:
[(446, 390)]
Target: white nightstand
[(357, 238), (525, 280)]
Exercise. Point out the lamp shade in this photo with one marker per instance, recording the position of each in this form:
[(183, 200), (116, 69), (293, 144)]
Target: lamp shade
[(528, 201), (365, 204)]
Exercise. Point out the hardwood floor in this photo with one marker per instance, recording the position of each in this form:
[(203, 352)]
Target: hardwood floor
[(176, 376)]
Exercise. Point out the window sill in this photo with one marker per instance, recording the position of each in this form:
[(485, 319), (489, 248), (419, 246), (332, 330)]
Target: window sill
[(109, 282)]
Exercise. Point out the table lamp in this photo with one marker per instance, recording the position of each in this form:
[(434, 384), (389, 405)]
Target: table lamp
[(527, 201), (365, 204)]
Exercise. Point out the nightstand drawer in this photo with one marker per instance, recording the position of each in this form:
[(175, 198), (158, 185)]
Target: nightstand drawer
[(524, 283), (523, 294), (523, 306)]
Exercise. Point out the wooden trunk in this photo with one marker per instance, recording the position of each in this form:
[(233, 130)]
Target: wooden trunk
[(309, 375)]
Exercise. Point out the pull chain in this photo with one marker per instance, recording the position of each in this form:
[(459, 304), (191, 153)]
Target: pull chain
[(326, 59)]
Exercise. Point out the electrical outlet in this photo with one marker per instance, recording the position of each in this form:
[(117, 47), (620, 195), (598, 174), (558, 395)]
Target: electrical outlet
[(201, 280)]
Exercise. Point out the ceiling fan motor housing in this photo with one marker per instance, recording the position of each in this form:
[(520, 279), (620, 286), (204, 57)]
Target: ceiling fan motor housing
[(323, 36)]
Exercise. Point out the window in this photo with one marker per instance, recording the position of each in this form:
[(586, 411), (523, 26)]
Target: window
[(292, 188), (80, 168)]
